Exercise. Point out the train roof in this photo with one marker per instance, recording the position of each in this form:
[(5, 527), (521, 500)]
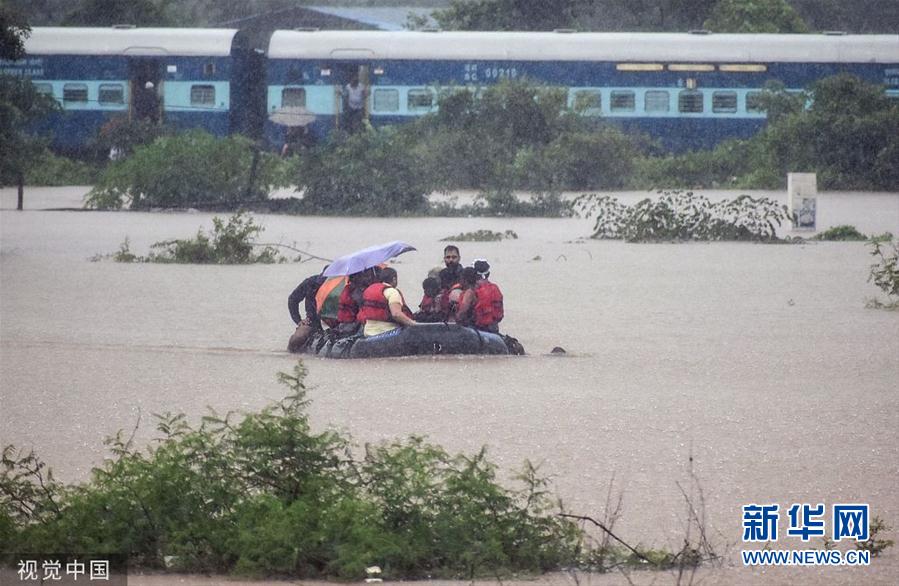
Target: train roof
[(559, 46), (130, 41)]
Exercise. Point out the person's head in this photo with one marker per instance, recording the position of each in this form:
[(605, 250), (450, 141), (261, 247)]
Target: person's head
[(431, 286), (482, 267), (447, 278), (469, 277), (388, 275), (354, 80), (451, 256)]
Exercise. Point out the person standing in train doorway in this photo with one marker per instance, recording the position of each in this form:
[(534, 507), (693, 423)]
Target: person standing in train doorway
[(354, 94)]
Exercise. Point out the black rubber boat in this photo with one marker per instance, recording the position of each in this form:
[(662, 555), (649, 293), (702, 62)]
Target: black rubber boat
[(420, 340)]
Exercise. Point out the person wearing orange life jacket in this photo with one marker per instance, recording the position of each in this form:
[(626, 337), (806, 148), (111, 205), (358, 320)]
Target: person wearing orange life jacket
[(482, 302), (383, 307)]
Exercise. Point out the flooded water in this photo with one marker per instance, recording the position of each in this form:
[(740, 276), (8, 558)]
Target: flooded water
[(760, 362)]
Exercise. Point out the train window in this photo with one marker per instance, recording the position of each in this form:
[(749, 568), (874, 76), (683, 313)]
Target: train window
[(657, 101), (622, 101), (112, 93), (45, 89), (293, 97), (420, 100), (724, 102), (690, 102), (386, 100), (74, 92), (202, 95), (208, 69), (588, 101), (754, 103)]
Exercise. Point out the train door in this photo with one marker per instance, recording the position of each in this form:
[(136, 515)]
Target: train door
[(351, 92), (146, 89)]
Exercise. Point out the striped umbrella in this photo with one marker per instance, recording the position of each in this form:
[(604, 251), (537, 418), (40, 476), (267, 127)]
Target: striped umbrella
[(326, 300)]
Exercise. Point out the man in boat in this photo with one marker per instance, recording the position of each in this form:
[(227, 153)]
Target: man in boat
[(481, 306), (305, 292), (350, 302), (383, 307), (452, 261)]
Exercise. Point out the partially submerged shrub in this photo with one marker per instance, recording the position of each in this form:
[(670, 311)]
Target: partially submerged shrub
[(481, 236), (229, 243), (684, 216), (265, 494), (53, 170), (378, 172), (844, 232), (193, 169), (884, 272)]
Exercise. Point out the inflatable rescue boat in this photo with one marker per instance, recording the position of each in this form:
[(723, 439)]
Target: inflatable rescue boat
[(420, 340)]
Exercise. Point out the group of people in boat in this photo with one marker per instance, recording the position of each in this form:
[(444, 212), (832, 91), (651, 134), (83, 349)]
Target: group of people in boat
[(371, 303)]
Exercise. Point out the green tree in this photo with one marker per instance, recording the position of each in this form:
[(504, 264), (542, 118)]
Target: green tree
[(20, 104), (755, 16), (511, 15), (110, 12)]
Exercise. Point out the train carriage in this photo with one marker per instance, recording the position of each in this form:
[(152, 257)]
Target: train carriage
[(182, 77), (687, 90)]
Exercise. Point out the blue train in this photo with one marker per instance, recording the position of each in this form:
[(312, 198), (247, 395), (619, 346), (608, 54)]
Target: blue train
[(687, 90)]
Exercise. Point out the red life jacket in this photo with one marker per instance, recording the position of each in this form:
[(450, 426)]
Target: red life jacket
[(488, 309), (346, 306), (444, 304), (427, 304), (374, 304)]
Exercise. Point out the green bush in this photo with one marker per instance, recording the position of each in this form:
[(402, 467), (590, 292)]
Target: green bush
[(264, 494), (230, 243), (193, 169), (844, 232), (481, 236), (374, 172), (885, 271), (52, 170), (684, 216)]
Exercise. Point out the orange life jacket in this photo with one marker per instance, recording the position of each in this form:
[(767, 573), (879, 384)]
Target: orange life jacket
[(488, 309), (346, 306), (374, 304)]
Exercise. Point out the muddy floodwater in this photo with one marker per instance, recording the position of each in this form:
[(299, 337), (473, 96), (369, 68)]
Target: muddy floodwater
[(759, 362)]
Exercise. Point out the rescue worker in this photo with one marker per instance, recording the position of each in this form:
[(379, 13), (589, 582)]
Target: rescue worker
[(383, 307), (428, 310), (305, 292), (452, 260), (482, 301)]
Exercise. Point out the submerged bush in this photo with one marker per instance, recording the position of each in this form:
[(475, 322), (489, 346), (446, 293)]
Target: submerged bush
[(265, 494), (884, 272), (844, 232), (230, 243), (375, 172), (53, 170), (684, 216), (193, 169), (481, 236)]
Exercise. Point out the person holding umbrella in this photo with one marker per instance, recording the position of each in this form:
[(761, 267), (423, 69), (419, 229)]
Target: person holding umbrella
[(383, 307)]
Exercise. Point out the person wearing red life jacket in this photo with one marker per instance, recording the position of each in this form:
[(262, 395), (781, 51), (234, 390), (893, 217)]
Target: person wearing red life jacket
[(482, 302), (383, 307), (428, 311), (350, 302), (450, 294)]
